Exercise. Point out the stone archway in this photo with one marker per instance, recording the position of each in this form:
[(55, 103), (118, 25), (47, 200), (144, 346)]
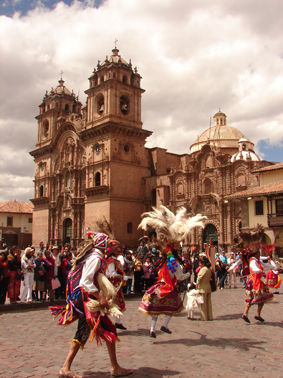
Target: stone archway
[(67, 230), (210, 233)]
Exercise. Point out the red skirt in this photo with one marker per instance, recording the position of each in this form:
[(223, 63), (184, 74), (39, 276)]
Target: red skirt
[(152, 304)]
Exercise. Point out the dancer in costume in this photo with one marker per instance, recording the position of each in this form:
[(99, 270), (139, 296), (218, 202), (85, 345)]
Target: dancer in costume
[(256, 290), (163, 297), (88, 294), (272, 279), (114, 272)]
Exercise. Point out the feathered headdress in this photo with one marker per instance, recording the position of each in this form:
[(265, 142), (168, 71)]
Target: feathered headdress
[(168, 226)]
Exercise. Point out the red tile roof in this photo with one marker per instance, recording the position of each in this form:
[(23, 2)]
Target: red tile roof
[(273, 188), (16, 207), (273, 167)]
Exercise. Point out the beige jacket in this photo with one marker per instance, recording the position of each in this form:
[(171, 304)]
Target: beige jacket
[(203, 280)]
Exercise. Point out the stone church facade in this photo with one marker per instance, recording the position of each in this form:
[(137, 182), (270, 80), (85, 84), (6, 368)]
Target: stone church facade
[(91, 164)]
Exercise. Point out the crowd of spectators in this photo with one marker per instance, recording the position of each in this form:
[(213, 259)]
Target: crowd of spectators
[(43, 274), (34, 276)]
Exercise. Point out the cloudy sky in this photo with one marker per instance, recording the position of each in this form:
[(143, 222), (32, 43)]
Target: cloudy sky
[(195, 56)]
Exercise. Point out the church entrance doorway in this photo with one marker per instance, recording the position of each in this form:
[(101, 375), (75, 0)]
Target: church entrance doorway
[(67, 230), (210, 233)]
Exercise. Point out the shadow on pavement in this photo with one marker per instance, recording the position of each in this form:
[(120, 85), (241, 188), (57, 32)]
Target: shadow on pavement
[(273, 324), (136, 332), (141, 372), (219, 342), (229, 316)]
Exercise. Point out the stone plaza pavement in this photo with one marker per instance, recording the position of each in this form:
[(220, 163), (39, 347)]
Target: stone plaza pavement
[(32, 345)]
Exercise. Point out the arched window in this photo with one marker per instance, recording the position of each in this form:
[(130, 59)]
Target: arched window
[(180, 188), (67, 230), (209, 162), (68, 179), (125, 79), (67, 107), (45, 128), (41, 191), (241, 180), (97, 179), (100, 103), (208, 186), (130, 228), (210, 235), (153, 197)]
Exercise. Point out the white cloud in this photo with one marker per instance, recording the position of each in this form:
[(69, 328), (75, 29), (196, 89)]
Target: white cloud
[(194, 57)]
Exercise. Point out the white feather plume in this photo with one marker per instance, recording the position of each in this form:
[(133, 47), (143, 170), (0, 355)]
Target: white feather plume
[(168, 226)]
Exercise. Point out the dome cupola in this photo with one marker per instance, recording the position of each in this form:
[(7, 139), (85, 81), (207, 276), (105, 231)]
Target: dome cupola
[(219, 136)]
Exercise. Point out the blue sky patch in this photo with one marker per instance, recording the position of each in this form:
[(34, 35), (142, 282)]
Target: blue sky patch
[(9, 7), (270, 151)]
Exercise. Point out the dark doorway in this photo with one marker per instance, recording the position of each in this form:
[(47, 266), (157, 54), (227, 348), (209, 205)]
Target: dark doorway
[(10, 239), (210, 233), (67, 230)]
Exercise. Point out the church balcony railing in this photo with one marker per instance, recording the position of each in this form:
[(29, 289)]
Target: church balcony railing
[(92, 191), (77, 201), (275, 220), (40, 200)]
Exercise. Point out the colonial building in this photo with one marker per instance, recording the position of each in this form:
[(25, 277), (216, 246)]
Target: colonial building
[(265, 205), (91, 164), (16, 223)]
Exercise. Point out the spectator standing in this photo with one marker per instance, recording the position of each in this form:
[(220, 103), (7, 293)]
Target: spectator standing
[(195, 264), (221, 272), (5, 276), (40, 272), (149, 273), (186, 261), (66, 266), (57, 270), (28, 266), (138, 273), (15, 273), (121, 258), (232, 272), (143, 248), (204, 287), (129, 272), (49, 274)]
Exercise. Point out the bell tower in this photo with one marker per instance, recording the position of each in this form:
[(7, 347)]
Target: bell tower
[(114, 138), (114, 93), (58, 102)]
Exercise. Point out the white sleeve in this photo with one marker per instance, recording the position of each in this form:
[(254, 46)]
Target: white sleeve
[(255, 267), (122, 261), (91, 267), (111, 270), (267, 266), (179, 273), (234, 265), (24, 263)]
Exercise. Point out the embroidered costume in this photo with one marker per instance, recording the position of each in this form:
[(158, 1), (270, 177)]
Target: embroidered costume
[(257, 291), (90, 297), (272, 279), (114, 272), (82, 282), (163, 297)]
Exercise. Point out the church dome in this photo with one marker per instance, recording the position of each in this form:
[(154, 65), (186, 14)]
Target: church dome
[(220, 135), (245, 152), (116, 59), (61, 89)]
